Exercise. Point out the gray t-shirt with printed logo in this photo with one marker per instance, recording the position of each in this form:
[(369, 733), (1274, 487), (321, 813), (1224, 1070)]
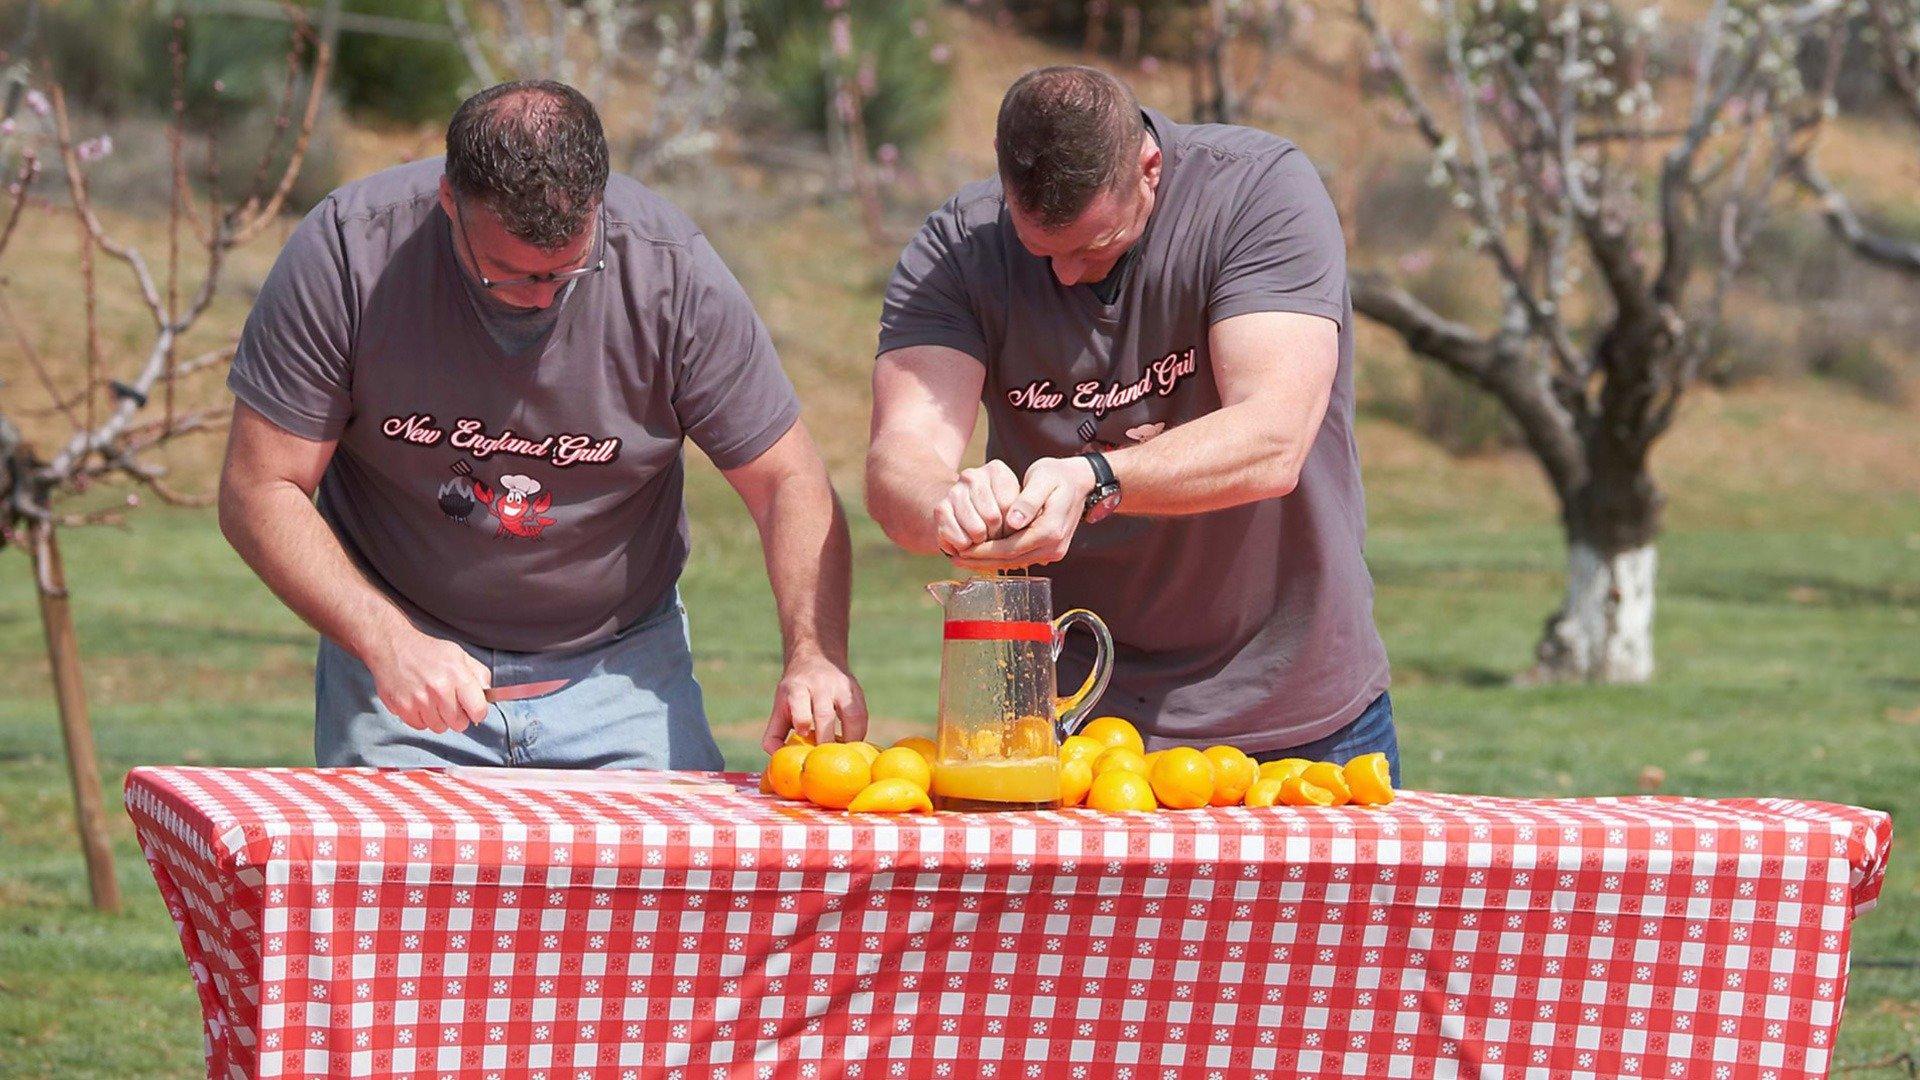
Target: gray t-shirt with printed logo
[(1252, 624), (528, 502)]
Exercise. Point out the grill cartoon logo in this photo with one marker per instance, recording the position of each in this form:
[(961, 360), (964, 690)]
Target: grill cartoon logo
[(518, 506)]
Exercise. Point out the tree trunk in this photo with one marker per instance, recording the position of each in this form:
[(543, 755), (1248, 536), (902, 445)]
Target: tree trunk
[(1603, 631), (83, 768)]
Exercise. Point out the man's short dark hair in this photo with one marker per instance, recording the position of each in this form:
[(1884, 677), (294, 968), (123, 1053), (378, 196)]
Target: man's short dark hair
[(1065, 135), (535, 154)]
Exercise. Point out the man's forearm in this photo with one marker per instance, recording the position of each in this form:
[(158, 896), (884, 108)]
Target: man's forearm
[(278, 532), (1226, 458), (905, 483), (809, 565)]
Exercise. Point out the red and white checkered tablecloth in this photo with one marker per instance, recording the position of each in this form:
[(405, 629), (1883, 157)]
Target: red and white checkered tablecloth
[(475, 923)]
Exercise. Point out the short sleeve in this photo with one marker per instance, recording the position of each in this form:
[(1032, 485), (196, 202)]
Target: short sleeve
[(293, 364), (926, 301), (730, 394), (1284, 250)]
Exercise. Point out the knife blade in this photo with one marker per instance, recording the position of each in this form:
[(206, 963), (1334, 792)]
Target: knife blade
[(522, 691)]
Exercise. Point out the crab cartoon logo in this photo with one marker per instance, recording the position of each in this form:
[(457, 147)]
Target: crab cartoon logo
[(519, 507)]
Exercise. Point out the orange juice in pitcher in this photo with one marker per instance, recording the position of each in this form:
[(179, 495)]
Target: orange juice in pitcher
[(1000, 719)]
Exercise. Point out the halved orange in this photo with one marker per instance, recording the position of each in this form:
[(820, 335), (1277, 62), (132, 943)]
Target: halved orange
[(1284, 768), (895, 796), (1370, 779), (1329, 776), (1264, 792), (1299, 791), (783, 772)]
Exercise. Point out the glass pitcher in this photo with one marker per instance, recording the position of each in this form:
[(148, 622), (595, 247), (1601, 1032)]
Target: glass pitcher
[(1001, 720)]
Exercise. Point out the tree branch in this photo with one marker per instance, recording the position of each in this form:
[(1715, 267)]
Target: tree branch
[(1845, 223), (1499, 366)]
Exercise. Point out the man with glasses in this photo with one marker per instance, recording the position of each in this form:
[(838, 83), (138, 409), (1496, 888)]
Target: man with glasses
[(485, 367)]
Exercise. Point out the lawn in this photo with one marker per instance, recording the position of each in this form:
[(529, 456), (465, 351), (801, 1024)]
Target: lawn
[(1788, 630), (1787, 668)]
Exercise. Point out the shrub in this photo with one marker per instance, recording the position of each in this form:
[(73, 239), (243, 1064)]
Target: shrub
[(401, 78), (100, 51), (1851, 358), (1165, 25), (241, 146), (896, 62), (1741, 353), (1458, 416)]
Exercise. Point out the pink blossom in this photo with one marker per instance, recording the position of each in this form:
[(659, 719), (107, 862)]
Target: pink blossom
[(1149, 64), (940, 53), (37, 101), (1416, 262), (94, 149), (841, 33), (919, 27), (6, 126), (869, 79), (888, 153), (219, 86)]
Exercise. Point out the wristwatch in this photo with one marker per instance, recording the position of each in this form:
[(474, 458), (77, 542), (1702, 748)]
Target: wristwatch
[(1104, 499)]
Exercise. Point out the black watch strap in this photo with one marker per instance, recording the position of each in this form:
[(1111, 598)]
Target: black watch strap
[(1103, 478)]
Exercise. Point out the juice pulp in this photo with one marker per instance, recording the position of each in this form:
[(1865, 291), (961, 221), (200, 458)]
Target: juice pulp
[(1019, 784)]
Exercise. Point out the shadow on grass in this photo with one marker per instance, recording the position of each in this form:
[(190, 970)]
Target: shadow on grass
[(1796, 590), (1433, 672)]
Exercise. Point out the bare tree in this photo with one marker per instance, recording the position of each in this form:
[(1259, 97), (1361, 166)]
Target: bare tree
[(690, 53), (118, 408), (1894, 26), (1615, 241), (1219, 97)]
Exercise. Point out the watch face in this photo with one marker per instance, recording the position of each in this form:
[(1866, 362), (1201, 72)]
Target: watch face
[(1103, 506)]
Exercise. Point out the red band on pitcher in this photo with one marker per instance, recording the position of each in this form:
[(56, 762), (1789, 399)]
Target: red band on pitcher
[(994, 630)]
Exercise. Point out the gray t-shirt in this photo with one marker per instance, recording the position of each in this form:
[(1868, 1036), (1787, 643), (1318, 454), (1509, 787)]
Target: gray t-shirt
[(530, 503), (516, 330), (1252, 624)]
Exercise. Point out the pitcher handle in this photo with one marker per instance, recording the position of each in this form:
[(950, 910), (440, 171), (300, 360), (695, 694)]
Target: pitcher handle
[(1068, 711)]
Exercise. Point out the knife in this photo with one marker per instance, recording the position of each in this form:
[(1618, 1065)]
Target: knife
[(522, 691)]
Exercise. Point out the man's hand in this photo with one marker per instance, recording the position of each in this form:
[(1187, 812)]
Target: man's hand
[(818, 698), (1042, 518), (975, 508), (431, 684)]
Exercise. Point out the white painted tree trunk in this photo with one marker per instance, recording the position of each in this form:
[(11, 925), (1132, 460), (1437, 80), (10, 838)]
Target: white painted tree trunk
[(1603, 632)]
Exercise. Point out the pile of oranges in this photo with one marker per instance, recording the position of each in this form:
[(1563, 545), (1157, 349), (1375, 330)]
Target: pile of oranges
[(1106, 767), (858, 777)]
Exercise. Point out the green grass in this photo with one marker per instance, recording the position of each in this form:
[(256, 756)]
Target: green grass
[(1787, 667)]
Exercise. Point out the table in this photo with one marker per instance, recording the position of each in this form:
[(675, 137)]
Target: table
[(482, 923)]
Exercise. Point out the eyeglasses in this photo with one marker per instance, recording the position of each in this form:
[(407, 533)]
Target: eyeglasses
[(549, 278)]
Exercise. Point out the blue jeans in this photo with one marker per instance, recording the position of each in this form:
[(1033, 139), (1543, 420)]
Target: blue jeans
[(1372, 731), (632, 704)]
